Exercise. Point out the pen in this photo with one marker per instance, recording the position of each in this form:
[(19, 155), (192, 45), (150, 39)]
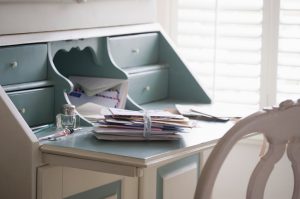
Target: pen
[(58, 134), (210, 117), (37, 129)]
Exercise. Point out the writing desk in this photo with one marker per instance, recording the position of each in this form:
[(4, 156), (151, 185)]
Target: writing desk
[(155, 165), (35, 85)]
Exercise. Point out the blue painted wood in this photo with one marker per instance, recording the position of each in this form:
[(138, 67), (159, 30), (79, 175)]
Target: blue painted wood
[(183, 85), (134, 50), (35, 105), (85, 58), (100, 192), (172, 167), (20, 64), (148, 86), (86, 141), (29, 85), (134, 53)]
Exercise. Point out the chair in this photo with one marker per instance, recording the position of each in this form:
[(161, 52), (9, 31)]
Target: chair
[(281, 128)]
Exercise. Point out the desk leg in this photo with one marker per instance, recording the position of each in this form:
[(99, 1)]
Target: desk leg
[(50, 183)]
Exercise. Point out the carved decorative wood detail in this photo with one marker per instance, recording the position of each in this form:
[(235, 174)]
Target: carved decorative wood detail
[(281, 127)]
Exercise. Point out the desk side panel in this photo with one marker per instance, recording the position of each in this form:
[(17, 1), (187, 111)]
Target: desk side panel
[(18, 152)]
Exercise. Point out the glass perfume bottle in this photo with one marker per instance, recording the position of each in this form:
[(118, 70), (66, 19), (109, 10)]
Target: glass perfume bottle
[(67, 119)]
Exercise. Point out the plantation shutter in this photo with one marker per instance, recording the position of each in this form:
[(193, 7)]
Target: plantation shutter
[(221, 41), (288, 73)]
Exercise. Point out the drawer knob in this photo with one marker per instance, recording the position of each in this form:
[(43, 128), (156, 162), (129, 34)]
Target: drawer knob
[(147, 88), (22, 110), (136, 51), (14, 64)]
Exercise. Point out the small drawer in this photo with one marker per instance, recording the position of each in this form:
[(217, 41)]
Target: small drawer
[(148, 86), (134, 50), (36, 105), (20, 64)]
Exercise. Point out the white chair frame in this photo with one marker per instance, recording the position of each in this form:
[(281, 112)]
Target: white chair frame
[(281, 128)]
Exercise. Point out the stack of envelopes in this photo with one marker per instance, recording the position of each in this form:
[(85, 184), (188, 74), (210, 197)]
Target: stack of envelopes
[(130, 125)]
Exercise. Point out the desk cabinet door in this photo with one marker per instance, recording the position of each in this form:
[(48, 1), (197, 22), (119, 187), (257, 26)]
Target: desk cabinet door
[(178, 180), (71, 183), (108, 191)]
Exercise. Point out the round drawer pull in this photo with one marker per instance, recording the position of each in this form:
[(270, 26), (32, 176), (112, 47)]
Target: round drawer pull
[(22, 110), (147, 88), (14, 64), (136, 51)]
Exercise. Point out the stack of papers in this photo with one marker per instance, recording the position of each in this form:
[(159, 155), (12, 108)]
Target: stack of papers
[(129, 125), (94, 85), (92, 94)]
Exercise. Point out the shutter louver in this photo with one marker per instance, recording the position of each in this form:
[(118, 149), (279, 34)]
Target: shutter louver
[(221, 41), (288, 73)]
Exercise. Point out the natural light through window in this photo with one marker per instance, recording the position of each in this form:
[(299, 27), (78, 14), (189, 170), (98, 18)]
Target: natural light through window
[(231, 45), (288, 84), (222, 42)]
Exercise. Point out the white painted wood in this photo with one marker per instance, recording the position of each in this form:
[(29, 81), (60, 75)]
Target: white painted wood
[(88, 164), (263, 170), (279, 125), (50, 183), (148, 182), (78, 180), (181, 183), (75, 34), (70, 15), (61, 182), (130, 188), (234, 175), (269, 52), (18, 151), (293, 154)]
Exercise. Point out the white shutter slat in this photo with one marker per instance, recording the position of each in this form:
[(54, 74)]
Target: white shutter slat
[(196, 4), (288, 59), (290, 17), (241, 5), (288, 71), (291, 45), (195, 41), (191, 15), (289, 31), (240, 30), (290, 4), (240, 17), (223, 46)]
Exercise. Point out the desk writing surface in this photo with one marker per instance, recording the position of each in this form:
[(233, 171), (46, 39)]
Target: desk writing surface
[(83, 144)]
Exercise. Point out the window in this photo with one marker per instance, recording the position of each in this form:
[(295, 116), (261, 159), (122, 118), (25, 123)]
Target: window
[(236, 46), (288, 78)]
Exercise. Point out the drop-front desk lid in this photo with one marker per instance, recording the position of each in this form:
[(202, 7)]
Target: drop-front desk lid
[(83, 150)]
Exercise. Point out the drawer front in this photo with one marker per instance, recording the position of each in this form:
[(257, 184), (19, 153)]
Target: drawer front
[(149, 86), (36, 105), (134, 50), (22, 64)]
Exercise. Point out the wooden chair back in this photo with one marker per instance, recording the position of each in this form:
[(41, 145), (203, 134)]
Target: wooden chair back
[(281, 128)]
